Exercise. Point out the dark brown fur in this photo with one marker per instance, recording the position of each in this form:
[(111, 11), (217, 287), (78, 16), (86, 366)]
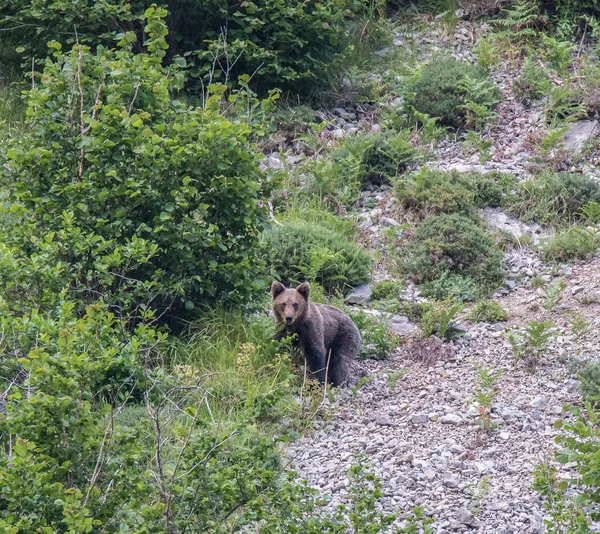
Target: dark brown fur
[(325, 334)]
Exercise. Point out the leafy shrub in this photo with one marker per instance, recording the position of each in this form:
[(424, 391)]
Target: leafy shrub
[(387, 289), (451, 285), (533, 83), (456, 244), (440, 93), (291, 44), (485, 392), (375, 157), (431, 192), (487, 311), (590, 382), (531, 342), (555, 197), (299, 252), (441, 318), (378, 343), (573, 243), (122, 162)]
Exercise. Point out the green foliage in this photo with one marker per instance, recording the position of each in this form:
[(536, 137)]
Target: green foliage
[(388, 289), (590, 213), (523, 20), (485, 392), (441, 318), (565, 515), (374, 158), (580, 327), (432, 192), (487, 311), (553, 293), (290, 44), (590, 382), (533, 83), (474, 143), (453, 243), (576, 242), (111, 156), (451, 91), (299, 252), (530, 343), (378, 343), (580, 443), (553, 197), (448, 285)]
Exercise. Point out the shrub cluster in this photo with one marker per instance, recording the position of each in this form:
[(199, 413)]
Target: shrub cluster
[(289, 44), (300, 252), (431, 192), (574, 243), (555, 197), (113, 158), (455, 244), (447, 87), (374, 158)]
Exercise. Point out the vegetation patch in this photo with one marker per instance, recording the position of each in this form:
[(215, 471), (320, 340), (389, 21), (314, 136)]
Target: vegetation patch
[(456, 93), (302, 252)]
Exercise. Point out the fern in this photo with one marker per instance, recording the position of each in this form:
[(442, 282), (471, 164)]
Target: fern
[(553, 293), (590, 213), (523, 21), (481, 96)]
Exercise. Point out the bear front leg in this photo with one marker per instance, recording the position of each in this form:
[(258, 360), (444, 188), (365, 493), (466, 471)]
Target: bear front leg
[(316, 359)]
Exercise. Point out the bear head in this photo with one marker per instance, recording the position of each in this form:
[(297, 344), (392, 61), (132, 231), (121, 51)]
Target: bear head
[(289, 305)]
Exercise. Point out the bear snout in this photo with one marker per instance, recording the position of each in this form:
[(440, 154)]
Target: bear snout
[(289, 320)]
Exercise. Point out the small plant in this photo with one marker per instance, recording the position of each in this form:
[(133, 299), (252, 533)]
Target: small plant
[(479, 492), (395, 376), (446, 86), (388, 289), (474, 143), (576, 242), (454, 286), (441, 319), (589, 388), (590, 213), (378, 342), (374, 158), (554, 293), (360, 383), (533, 83), (564, 515), (480, 100), (523, 20), (580, 327), (485, 392), (487, 311), (530, 343)]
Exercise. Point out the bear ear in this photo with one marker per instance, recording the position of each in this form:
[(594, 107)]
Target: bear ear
[(276, 289), (304, 290)]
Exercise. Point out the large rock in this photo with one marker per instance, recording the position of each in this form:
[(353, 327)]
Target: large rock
[(578, 134), (360, 295)]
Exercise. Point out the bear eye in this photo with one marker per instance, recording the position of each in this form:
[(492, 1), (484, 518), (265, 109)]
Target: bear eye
[(295, 307)]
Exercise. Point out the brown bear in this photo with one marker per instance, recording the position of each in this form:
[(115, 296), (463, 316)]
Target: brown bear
[(324, 333)]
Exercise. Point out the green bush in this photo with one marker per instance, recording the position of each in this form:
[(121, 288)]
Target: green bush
[(455, 244), (388, 289), (487, 311), (431, 192), (110, 153), (570, 244), (298, 253), (290, 44), (440, 91), (378, 343), (590, 382), (440, 319), (451, 285), (375, 157), (555, 197)]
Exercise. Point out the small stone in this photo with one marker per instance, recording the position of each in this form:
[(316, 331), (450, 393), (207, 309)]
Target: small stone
[(385, 421), (430, 474), (275, 162), (419, 419), (433, 417), (450, 481), (539, 402), (465, 517), (388, 221), (408, 458), (360, 295), (451, 419)]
